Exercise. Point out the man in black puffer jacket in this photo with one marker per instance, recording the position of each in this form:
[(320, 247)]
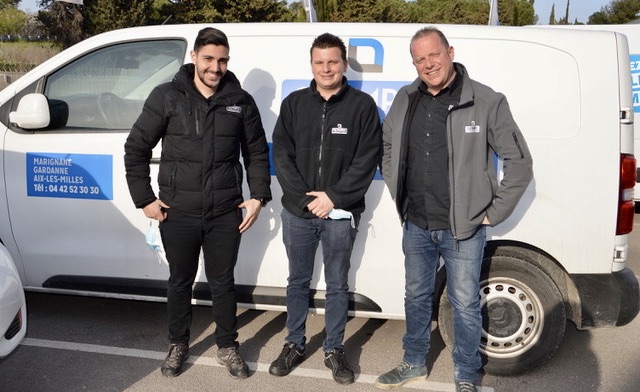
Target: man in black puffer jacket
[(205, 121)]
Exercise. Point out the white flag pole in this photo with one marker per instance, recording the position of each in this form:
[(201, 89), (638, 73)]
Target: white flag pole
[(79, 2), (493, 13), (310, 10)]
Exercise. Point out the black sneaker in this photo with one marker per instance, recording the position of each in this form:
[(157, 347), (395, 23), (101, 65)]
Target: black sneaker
[(337, 362), (290, 356), (178, 353), (230, 357)]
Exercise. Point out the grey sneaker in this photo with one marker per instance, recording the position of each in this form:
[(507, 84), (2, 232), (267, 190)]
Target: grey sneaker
[(337, 362), (178, 353), (230, 357), (401, 375), (465, 386), (290, 356)]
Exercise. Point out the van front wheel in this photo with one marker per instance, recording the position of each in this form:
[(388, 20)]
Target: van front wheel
[(523, 315)]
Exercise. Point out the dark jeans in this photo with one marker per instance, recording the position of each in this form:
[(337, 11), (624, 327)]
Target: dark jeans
[(301, 238), (219, 239)]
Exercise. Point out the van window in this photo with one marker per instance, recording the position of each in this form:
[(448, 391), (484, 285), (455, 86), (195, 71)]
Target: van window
[(106, 89)]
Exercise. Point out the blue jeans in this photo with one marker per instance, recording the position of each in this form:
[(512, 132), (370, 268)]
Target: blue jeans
[(301, 238), (463, 261)]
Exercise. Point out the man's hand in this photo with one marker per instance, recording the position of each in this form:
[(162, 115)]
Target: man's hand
[(321, 206), (253, 207), (154, 210)]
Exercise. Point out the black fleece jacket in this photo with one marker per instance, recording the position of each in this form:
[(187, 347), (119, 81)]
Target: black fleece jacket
[(332, 146)]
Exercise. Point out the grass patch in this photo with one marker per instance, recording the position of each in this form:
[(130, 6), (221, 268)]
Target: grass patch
[(23, 56)]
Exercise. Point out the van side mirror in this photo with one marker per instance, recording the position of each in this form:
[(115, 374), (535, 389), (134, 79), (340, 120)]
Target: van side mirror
[(32, 113)]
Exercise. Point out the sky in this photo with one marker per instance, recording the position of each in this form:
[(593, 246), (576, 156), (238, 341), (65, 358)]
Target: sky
[(580, 9)]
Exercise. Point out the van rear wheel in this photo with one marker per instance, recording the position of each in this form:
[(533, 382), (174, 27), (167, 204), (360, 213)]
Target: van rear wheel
[(523, 315)]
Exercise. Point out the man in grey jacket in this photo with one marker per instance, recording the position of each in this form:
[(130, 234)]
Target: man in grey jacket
[(440, 142)]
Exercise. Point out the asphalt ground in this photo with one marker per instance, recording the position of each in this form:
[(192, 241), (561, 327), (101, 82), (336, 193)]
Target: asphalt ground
[(97, 344)]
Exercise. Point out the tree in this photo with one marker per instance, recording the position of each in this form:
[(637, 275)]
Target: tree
[(517, 12), (617, 12), (552, 15), (354, 11), (452, 11), (34, 30), (8, 4), (191, 11), (323, 10), (12, 20), (220, 11), (297, 10), (64, 22), (397, 11), (511, 12), (389, 11), (256, 11), (108, 15), (70, 23)]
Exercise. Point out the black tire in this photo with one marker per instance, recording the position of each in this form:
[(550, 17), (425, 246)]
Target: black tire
[(523, 315)]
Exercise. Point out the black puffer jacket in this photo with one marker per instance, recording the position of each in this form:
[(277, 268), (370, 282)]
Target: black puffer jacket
[(200, 170)]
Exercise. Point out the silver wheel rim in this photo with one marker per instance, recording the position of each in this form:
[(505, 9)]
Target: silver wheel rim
[(517, 314)]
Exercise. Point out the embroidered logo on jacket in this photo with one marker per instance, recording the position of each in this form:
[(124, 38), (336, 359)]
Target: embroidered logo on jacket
[(473, 128), (234, 109), (339, 130)]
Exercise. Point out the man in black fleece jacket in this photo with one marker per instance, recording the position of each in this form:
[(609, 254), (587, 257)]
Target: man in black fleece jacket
[(326, 145)]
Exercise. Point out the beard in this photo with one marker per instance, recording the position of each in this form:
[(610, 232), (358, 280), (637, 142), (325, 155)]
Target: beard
[(205, 78)]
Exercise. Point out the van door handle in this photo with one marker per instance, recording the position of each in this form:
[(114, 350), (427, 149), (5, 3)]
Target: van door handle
[(626, 115), (155, 161)]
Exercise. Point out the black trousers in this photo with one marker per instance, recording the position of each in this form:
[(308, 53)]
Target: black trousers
[(183, 237)]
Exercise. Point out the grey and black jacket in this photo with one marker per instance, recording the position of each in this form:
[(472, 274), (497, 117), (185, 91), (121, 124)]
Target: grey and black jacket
[(202, 139), (479, 126)]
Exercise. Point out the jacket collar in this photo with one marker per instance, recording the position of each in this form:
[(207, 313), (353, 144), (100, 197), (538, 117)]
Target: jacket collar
[(466, 95), (334, 98)]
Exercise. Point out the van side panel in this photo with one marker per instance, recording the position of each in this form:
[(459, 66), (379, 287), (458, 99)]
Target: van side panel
[(564, 95), (69, 224)]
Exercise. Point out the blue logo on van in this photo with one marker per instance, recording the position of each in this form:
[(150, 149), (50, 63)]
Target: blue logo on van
[(635, 80), (378, 55), (69, 176)]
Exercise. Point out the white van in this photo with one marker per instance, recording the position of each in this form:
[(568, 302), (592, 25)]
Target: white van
[(632, 32), (68, 221)]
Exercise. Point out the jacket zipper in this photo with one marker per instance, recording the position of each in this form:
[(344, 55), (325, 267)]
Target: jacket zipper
[(324, 117), (197, 115), (452, 177)]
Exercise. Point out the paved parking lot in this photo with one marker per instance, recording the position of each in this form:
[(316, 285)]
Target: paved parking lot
[(96, 344)]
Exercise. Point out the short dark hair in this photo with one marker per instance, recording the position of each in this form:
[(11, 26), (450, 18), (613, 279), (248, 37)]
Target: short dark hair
[(208, 36), (326, 41), (423, 32)]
